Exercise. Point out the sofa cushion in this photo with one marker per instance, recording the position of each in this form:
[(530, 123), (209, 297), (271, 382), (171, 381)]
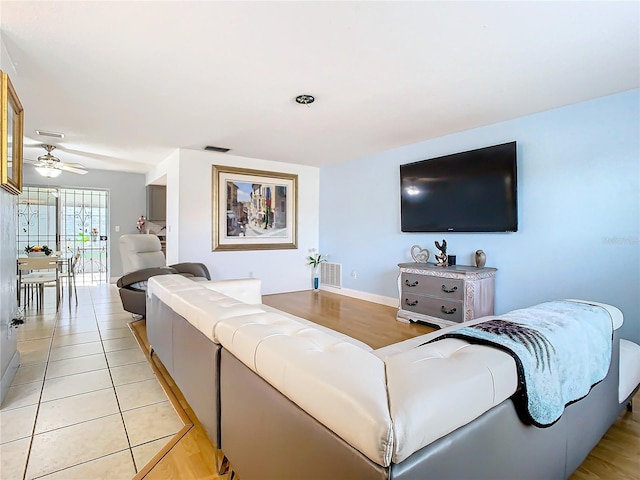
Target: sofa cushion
[(436, 388), (246, 290), (204, 308), (242, 334), (164, 286)]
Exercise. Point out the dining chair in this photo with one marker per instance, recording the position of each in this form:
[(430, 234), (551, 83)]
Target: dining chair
[(36, 273), (70, 274)]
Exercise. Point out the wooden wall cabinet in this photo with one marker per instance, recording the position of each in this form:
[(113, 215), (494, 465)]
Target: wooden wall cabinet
[(156, 203), (444, 295)]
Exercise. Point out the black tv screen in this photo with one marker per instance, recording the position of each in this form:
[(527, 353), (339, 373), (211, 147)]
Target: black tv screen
[(474, 191)]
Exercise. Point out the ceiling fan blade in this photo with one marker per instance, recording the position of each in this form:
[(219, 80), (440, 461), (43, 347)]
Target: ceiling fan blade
[(76, 165), (73, 169), (48, 160)]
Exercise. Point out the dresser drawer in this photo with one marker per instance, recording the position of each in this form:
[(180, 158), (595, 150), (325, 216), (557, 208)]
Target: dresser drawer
[(448, 288), (446, 309)]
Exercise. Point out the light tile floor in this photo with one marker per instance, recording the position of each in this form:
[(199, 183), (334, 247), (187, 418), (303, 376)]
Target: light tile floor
[(84, 404)]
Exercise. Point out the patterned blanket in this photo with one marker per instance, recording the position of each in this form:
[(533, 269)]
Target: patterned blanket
[(561, 348)]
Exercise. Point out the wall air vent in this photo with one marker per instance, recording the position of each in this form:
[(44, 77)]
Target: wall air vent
[(45, 133), (211, 148), (331, 274)]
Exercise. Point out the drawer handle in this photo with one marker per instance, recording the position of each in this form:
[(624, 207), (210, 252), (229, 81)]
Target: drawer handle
[(411, 304), (447, 312), (414, 284), (449, 290)]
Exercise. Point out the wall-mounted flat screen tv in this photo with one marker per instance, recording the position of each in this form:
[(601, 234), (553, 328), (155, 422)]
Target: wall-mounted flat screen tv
[(474, 191)]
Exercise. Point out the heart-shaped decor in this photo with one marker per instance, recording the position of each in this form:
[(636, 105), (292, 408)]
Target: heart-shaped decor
[(419, 254)]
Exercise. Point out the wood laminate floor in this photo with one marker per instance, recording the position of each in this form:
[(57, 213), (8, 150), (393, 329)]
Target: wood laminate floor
[(371, 323), (617, 456)]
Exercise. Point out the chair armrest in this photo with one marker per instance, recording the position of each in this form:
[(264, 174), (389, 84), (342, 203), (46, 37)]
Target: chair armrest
[(143, 275), (194, 268)]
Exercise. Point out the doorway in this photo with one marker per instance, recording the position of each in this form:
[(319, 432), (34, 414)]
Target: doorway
[(71, 219)]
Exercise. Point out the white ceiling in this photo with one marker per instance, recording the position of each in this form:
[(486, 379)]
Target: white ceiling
[(129, 82)]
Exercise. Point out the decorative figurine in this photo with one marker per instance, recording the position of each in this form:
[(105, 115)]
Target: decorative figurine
[(442, 258), (419, 254), (141, 224), (481, 258)]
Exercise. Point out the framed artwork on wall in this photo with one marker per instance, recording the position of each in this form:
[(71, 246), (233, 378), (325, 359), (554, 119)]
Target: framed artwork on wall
[(11, 126), (254, 209)]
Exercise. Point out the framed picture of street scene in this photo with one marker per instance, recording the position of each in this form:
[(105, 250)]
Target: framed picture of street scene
[(254, 209), (11, 127)]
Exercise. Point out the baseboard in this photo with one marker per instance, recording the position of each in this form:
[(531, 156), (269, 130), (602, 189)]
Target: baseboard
[(9, 373), (369, 297)]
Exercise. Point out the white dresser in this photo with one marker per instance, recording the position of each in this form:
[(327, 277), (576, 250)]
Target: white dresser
[(443, 296)]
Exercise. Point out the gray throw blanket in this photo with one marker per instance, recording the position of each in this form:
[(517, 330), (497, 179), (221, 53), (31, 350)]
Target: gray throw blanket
[(561, 348)]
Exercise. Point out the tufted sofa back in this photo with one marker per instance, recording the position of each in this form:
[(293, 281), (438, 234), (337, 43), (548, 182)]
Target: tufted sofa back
[(336, 381), (387, 404)]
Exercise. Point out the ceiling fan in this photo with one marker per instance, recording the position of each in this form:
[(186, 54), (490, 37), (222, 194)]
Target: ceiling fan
[(49, 166)]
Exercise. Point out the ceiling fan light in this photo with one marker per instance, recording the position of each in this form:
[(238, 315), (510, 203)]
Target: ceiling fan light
[(48, 172)]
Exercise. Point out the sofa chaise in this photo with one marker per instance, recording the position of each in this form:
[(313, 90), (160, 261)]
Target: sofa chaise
[(286, 398)]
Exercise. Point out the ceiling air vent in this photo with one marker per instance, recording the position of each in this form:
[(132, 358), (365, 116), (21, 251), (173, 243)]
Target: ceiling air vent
[(216, 149), (46, 133)]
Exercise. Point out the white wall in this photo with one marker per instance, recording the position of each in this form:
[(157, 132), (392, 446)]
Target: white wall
[(579, 210), (171, 169), (189, 216)]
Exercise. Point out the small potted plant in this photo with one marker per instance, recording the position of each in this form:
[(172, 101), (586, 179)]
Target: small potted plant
[(37, 250), (315, 259)]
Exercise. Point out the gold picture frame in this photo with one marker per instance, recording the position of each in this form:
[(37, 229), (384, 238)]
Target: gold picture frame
[(253, 209), (11, 129)]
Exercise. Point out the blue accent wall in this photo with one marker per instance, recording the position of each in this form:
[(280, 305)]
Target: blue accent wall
[(578, 202)]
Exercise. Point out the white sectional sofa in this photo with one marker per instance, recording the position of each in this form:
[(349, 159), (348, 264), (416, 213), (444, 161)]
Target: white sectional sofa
[(286, 398)]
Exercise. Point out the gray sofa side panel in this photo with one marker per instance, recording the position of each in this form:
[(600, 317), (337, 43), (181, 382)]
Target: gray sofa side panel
[(591, 417), (159, 326), (266, 436), (192, 360), (196, 365), (497, 445)]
